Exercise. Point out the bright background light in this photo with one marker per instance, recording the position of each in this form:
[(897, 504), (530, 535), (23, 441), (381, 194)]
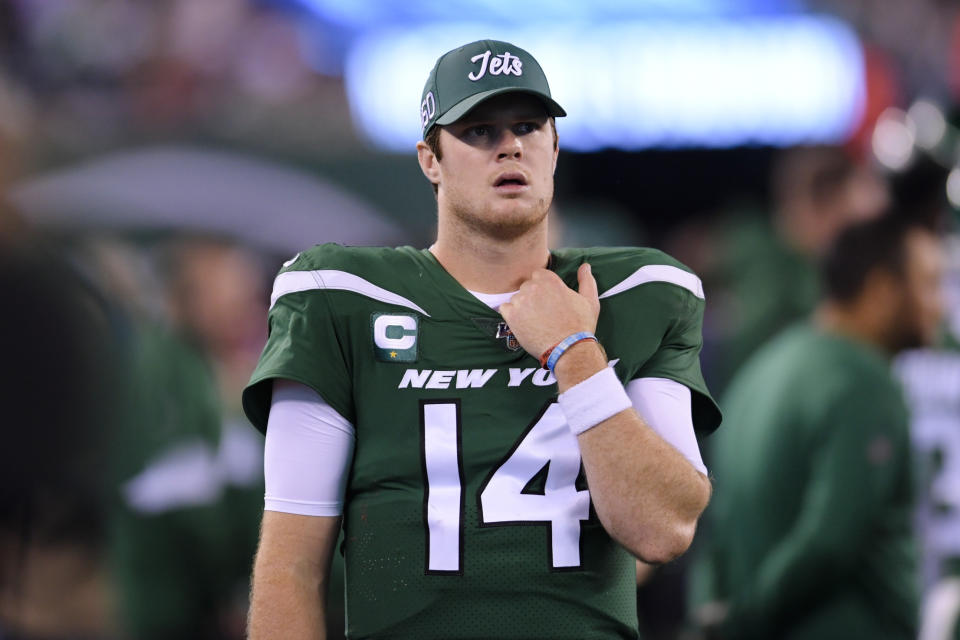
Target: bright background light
[(364, 14), (893, 139), (953, 187), (930, 122), (703, 83)]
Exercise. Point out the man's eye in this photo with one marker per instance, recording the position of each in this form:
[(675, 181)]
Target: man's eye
[(480, 130), (526, 127)]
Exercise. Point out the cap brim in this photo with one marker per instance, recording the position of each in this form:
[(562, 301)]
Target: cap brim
[(463, 107)]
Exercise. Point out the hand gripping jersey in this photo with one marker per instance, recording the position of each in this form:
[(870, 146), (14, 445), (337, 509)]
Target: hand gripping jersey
[(467, 510)]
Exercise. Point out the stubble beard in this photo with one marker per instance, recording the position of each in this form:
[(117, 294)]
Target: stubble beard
[(499, 226)]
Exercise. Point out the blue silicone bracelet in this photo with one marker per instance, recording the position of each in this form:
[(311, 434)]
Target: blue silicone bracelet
[(565, 344)]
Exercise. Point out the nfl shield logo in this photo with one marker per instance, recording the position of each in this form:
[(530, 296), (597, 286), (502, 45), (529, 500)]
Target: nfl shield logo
[(503, 331)]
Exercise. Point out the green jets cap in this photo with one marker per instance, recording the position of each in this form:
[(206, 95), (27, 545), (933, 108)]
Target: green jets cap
[(463, 78)]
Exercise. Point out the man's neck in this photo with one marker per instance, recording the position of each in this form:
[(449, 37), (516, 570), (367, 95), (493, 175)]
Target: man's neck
[(851, 322), (489, 265)]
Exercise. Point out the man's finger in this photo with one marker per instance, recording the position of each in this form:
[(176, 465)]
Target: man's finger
[(588, 285)]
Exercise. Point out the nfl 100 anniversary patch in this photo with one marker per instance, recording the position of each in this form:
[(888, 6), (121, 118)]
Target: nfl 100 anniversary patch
[(395, 336), (498, 330)]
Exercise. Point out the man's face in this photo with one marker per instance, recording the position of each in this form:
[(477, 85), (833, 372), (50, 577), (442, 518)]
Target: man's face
[(921, 306), (218, 297), (496, 175)]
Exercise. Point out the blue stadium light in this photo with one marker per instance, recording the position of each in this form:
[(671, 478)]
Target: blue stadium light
[(706, 83), (367, 14)]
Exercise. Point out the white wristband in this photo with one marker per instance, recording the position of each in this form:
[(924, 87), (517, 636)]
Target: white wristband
[(593, 400)]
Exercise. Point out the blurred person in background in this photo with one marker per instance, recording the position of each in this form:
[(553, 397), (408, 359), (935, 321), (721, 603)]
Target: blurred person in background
[(192, 485), (765, 269), (763, 275), (216, 302), (466, 510), (931, 379), (62, 395), (811, 522)]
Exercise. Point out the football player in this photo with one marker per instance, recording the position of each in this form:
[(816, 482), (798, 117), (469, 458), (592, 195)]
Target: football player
[(499, 428)]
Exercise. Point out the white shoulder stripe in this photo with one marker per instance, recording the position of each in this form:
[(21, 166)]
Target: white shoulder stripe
[(658, 273), (295, 281)]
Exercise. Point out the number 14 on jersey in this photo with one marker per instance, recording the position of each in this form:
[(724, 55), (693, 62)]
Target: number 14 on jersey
[(546, 447)]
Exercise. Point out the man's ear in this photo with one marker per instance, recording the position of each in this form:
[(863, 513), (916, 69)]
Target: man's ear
[(428, 162), (556, 154)]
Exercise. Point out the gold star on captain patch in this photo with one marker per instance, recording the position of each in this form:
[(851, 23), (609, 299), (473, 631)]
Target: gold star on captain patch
[(393, 354)]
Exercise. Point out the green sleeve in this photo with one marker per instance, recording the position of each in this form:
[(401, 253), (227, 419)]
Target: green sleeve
[(304, 345), (678, 359), (860, 461)]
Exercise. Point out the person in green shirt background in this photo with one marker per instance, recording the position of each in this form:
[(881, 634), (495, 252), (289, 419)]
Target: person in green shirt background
[(811, 532), (765, 266), (190, 488)]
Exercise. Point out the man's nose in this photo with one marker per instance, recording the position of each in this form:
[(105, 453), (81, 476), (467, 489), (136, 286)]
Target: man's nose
[(510, 146)]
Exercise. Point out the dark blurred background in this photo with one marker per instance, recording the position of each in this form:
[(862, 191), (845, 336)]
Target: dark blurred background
[(160, 160)]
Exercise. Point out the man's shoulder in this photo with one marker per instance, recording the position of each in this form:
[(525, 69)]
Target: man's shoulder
[(864, 384), (808, 348), (826, 366), (379, 275), (356, 260), (613, 257), (621, 269)]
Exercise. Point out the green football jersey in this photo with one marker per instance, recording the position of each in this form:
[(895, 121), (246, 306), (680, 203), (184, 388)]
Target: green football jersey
[(467, 511)]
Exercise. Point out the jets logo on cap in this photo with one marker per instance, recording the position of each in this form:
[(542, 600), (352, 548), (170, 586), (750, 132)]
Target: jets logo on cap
[(395, 337), (503, 64)]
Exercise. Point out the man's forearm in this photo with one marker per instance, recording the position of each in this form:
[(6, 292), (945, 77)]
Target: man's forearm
[(290, 575), (286, 603), (647, 495)]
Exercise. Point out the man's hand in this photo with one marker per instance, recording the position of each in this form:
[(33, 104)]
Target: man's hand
[(545, 310)]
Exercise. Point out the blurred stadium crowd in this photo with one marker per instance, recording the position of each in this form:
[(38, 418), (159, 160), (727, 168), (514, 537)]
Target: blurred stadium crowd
[(160, 160)]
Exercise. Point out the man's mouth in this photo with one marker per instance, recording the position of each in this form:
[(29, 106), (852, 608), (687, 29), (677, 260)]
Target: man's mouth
[(512, 181)]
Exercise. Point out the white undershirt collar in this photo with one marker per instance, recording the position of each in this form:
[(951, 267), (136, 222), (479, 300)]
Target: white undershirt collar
[(492, 300)]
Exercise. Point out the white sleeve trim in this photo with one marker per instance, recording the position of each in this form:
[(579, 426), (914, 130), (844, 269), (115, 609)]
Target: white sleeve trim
[(307, 454), (296, 281), (657, 273), (666, 406)]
